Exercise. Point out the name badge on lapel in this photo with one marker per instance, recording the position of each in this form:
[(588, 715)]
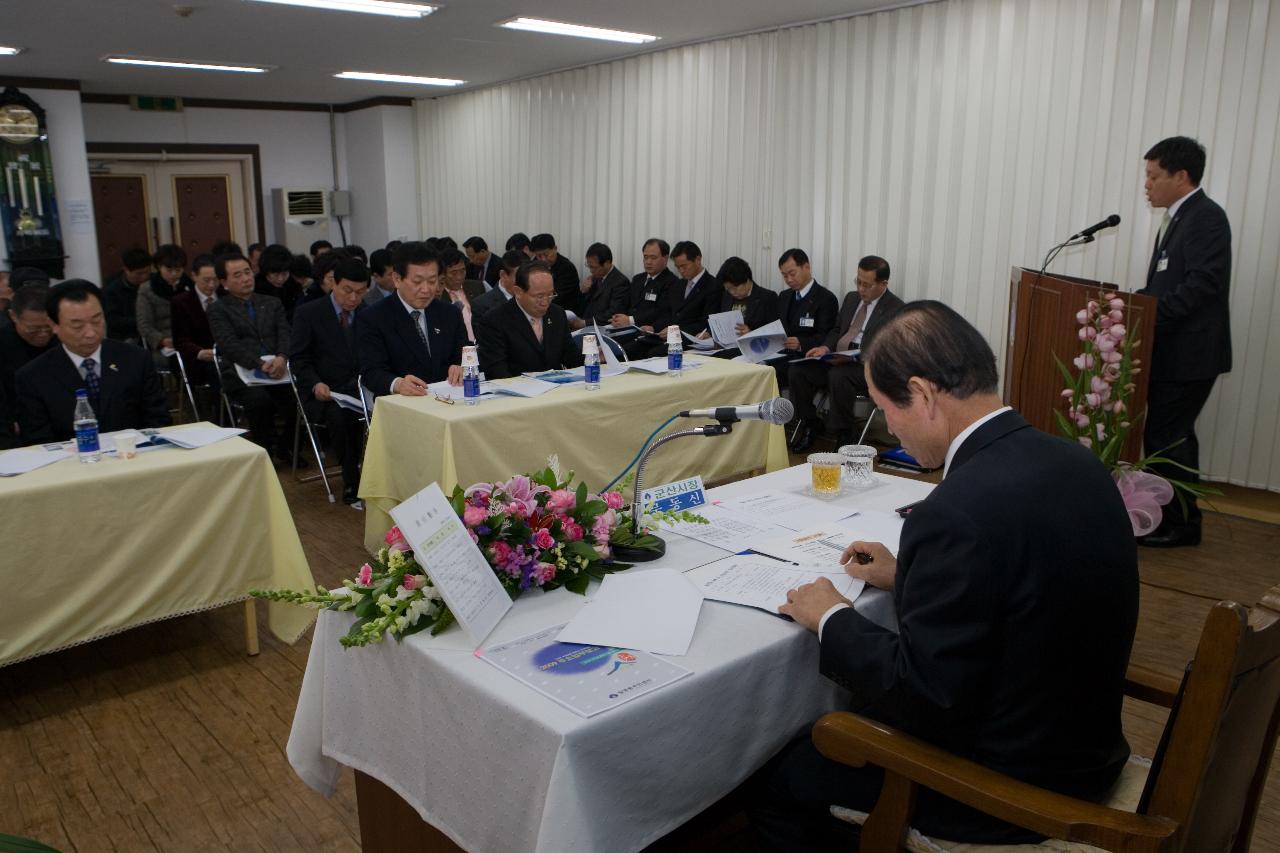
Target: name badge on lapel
[(651, 297), (1162, 265), (806, 322)]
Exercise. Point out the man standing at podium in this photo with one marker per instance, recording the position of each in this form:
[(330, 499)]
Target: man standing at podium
[(1189, 275)]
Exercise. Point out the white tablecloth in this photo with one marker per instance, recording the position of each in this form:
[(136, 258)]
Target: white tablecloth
[(498, 767)]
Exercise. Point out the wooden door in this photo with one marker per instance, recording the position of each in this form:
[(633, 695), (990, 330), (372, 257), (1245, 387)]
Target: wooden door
[(120, 218), (202, 210)]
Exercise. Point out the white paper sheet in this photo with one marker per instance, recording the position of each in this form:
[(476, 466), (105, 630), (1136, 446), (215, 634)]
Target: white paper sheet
[(728, 529), (874, 526), (193, 437), (442, 546), (168, 352), (791, 510), (456, 392), (831, 356), (585, 679), (24, 459), (654, 610), (724, 327), (658, 364), (763, 583), (257, 377), (519, 386), (763, 343), (701, 344), (817, 548), (348, 402)]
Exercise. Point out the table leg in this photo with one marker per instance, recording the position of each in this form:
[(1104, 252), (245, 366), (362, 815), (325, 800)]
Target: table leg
[(390, 825), (250, 628)]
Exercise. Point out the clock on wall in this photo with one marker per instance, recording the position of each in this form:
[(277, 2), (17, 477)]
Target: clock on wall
[(28, 201)]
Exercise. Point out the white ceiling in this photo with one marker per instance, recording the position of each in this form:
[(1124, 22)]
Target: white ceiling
[(67, 38)]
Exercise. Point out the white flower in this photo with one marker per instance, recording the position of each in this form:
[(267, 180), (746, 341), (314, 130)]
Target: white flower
[(401, 622), (340, 592), (553, 462), (417, 609)]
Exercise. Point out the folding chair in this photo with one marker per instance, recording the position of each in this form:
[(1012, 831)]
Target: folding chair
[(186, 384), (366, 403), (304, 421), (233, 412)]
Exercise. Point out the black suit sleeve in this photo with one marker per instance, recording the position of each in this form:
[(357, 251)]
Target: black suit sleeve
[(301, 359), (825, 312), (282, 331), (231, 347), (33, 415), (492, 345), (155, 406), (1207, 248), (570, 354), (372, 354)]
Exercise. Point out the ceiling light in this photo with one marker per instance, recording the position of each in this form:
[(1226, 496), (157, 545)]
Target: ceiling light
[(373, 7), (11, 51), (557, 28), (189, 66), (397, 78)]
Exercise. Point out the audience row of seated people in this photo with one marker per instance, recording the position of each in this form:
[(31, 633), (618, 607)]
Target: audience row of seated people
[(400, 322)]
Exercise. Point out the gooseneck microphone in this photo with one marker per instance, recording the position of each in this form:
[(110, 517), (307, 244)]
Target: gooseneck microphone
[(1110, 222), (776, 411)]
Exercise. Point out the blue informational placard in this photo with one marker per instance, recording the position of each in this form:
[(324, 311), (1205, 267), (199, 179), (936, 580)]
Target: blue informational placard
[(673, 497)]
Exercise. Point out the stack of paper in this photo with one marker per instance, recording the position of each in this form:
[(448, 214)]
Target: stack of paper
[(258, 377), (25, 459), (519, 386), (727, 528), (654, 610), (193, 437), (763, 343), (764, 583), (724, 327)]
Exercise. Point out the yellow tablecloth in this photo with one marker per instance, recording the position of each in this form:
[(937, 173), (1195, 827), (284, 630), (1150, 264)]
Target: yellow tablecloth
[(90, 550), (415, 441)]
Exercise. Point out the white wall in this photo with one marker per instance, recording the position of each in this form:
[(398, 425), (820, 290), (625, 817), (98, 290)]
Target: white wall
[(294, 145), (956, 139), (379, 149), (70, 176)]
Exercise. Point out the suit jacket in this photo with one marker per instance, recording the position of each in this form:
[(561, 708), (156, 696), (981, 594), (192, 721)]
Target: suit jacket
[(374, 294), (486, 302), (568, 290), (1193, 324), (120, 305), (191, 332), (288, 295), (319, 349), (14, 353), (608, 296), (388, 346), (508, 346), (243, 339), (888, 305), (761, 306), (472, 288), (690, 314), (810, 319), (130, 395), (488, 273), (650, 304), (1017, 598)]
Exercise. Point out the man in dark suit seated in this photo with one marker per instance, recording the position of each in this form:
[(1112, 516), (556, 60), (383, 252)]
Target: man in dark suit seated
[(563, 272), (120, 295), (529, 333), (482, 265), (29, 336), (863, 312), (696, 294), (606, 290), (807, 311), (411, 339), (252, 332), (458, 289), (121, 378), (1190, 277), (191, 334), (506, 289), (1015, 591), (649, 307), (322, 356)]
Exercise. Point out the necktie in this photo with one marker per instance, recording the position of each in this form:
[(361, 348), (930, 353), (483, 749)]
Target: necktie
[(537, 328), (1164, 228), (688, 288), (422, 332), (855, 328), (344, 320), (92, 381)]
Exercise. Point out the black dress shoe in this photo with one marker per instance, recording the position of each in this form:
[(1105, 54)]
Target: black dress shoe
[(349, 495), (1180, 536), (803, 438)]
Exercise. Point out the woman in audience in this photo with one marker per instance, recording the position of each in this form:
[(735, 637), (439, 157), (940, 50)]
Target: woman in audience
[(273, 278), (155, 297)]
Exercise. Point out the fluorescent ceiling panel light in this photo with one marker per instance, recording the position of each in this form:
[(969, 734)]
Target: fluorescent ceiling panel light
[(372, 7), (557, 28), (397, 78), (188, 66), (10, 51)]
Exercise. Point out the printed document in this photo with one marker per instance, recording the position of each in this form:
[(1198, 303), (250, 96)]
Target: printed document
[(763, 583)]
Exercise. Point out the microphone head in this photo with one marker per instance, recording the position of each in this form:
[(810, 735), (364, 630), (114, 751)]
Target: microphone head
[(779, 410), (1113, 220)]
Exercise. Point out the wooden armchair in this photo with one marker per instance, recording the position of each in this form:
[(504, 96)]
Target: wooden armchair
[(1203, 789)]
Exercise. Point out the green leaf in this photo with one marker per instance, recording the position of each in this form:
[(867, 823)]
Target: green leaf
[(578, 583), (443, 621), (1062, 368), (367, 608), (357, 627), (1064, 426), (580, 497), (17, 844)]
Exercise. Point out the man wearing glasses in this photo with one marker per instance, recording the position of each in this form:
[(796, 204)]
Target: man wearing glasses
[(528, 333)]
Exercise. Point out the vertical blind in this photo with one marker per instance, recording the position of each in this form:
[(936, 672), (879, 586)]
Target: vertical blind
[(956, 139)]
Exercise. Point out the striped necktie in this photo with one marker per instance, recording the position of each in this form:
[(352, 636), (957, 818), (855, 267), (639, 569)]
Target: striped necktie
[(92, 381)]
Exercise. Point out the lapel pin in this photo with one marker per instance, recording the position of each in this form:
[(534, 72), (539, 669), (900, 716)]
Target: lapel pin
[(113, 367)]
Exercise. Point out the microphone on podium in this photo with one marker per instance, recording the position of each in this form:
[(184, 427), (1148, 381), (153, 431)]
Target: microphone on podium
[(1110, 222), (776, 411)]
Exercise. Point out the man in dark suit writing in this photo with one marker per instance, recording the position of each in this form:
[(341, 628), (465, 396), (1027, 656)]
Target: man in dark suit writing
[(607, 290), (322, 355), (529, 333), (864, 311), (1015, 591), (121, 379), (411, 339), (1189, 275)]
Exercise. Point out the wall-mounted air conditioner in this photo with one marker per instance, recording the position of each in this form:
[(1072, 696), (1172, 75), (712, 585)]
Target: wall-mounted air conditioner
[(302, 217)]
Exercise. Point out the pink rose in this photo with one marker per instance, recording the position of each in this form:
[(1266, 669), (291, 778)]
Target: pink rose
[(395, 541), (561, 499), (544, 572), (501, 552), (544, 540), (365, 577), (614, 500), (410, 582), (572, 530), (473, 516), (603, 550)]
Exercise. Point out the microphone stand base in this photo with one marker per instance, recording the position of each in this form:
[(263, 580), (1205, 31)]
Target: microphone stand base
[(632, 554)]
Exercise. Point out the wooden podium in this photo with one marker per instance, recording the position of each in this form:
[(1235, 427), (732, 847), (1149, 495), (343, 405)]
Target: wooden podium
[(1042, 323)]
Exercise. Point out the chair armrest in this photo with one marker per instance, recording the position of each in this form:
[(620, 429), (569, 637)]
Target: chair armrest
[(854, 740), (1148, 685)]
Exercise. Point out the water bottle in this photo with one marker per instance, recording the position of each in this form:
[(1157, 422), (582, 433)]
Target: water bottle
[(591, 362), (470, 376), (675, 351), (86, 426)]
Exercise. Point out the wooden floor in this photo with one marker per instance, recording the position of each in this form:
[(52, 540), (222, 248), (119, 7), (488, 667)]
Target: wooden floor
[(169, 738)]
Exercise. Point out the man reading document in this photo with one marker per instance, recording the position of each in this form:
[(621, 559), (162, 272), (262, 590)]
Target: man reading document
[(1015, 592)]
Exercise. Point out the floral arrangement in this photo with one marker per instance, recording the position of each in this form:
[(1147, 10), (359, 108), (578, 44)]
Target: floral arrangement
[(534, 530), (1097, 412)]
